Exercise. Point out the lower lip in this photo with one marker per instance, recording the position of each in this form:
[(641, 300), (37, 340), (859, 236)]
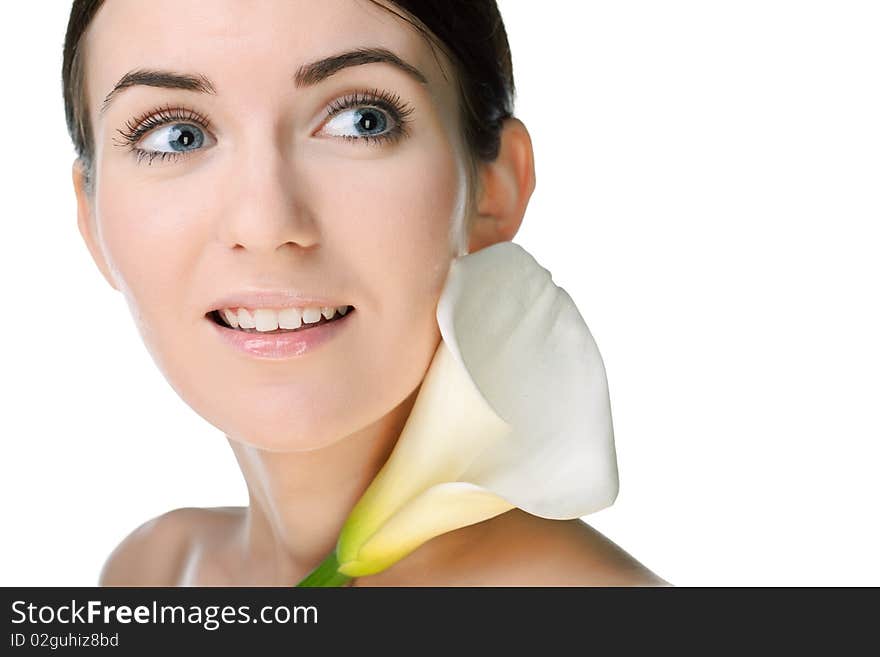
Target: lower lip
[(282, 345)]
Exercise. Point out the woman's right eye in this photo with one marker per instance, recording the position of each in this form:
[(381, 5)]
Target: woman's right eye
[(168, 132), (177, 138)]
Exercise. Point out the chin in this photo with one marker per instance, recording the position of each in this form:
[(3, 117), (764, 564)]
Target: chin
[(285, 431)]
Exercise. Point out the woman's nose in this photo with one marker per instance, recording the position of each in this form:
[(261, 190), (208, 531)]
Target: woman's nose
[(264, 204)]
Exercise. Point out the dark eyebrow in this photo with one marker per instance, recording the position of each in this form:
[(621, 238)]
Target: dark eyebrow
[(306, 75), (157, 78)]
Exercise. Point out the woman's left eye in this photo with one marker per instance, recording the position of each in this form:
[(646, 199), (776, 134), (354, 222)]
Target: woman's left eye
[(366, 124), (365, 117)]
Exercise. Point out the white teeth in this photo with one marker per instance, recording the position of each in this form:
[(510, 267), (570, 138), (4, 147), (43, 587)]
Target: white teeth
[(311, 315), (245, 319), (230, 317), (290, 318), (268, 319), (265, 320)]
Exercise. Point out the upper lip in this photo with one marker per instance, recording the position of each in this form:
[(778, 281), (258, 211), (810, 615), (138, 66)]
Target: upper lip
[(274, 299)]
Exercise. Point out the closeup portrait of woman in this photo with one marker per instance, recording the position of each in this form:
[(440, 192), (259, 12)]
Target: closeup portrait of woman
[(309, 168)]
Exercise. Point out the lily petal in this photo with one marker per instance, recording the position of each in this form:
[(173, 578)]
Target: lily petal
[(449, 426), (532, 356), (440, 509), (514, 411)]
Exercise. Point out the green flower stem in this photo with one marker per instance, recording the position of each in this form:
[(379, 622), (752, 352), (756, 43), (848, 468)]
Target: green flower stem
[(326, 574)]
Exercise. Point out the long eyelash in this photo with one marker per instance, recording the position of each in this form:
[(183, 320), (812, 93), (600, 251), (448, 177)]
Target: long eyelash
[(140, 125), (137, 127), (383, 100)]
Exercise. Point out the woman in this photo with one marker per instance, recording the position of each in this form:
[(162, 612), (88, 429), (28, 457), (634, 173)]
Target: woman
[(308, 169)]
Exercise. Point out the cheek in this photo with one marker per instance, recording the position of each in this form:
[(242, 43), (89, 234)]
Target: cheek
[(394, 235), (153, 246), (399, 223)]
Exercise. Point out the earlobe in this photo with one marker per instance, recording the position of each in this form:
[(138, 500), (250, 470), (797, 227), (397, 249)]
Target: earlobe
[(507, 184), (85, 221)]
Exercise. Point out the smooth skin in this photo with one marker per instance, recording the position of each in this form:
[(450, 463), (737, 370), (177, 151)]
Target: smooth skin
[(276, 197)]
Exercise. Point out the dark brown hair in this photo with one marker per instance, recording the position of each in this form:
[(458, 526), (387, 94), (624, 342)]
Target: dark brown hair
[(470, 33)]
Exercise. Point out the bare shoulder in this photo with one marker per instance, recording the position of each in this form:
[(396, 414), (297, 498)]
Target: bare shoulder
[(155, 551), (532, 551)]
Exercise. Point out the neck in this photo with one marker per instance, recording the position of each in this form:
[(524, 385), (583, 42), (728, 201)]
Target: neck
[(298, 501)]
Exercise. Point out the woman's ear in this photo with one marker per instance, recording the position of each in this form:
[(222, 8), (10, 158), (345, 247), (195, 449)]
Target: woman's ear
[(507, 184), (85, 220)]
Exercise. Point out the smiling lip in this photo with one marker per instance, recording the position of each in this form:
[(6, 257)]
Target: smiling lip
[(290, 344), (274, 299)]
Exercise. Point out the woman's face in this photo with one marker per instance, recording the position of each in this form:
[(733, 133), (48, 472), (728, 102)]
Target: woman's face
[(269, 193)]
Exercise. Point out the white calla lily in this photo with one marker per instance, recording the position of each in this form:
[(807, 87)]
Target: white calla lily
[(513, 411)]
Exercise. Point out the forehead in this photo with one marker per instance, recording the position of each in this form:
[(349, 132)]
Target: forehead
[(251, 47)]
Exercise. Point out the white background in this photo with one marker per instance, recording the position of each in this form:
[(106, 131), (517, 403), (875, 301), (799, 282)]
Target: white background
[(707, 192)]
